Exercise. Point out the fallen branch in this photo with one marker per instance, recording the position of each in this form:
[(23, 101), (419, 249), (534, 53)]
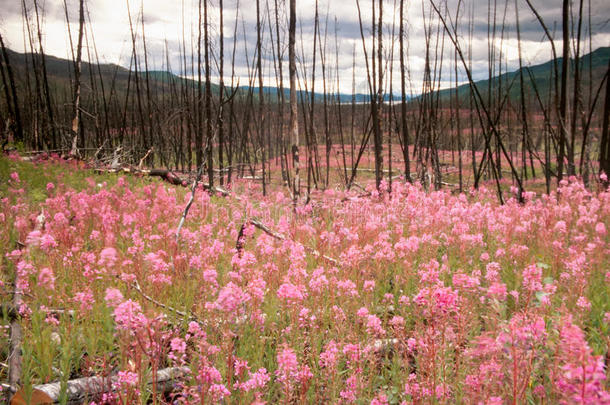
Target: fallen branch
[(148, 298), (254, 178), (355, 198), (90, 388), (188, 205), (239, 245)]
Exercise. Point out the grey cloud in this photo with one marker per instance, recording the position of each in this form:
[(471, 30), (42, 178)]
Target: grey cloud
[(163, 21)]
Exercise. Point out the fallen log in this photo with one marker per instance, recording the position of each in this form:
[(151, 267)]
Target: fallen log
[(166, 175), (90, 388), (14, 359), (13, 312), (171, 177)]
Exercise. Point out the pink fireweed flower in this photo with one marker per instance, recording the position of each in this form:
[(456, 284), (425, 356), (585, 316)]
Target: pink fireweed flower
[(362, 312), (210, 276), (208, 375), (328, 358), (128, 315), (46, 278), (583, 303), (373, 326), (560, 227), (113, 297), (464, 281), (438, 300), (47, 242), (369, 285), (411, 344), (33, 238), (85, 299), (288, 366), (532, 278), (497, 291), (397, 322), (156, 260), (352, 351), (290, 293), (583, 375), (257, 381), (600, 229), (305, 319), (404, 300), (380, 399), (218, 392), (178, 348), (492, 271), (127, 378), (231, 298), (349, 394), (108, 257), (318, 281)]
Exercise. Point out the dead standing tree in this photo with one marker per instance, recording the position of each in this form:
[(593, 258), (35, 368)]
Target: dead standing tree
[(373, 94), (483, 113), (11, 97), (208, 97), (604, 152), (294, 123), (77, 71), (403, 95)]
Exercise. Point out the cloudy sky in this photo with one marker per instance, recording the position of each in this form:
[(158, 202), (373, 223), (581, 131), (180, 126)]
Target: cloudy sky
[(166, 21)]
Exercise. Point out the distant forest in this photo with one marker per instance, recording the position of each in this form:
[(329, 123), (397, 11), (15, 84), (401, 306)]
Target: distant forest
[(548, 120)]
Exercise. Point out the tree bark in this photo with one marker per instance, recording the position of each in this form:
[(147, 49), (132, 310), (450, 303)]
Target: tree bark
[(604, 151)]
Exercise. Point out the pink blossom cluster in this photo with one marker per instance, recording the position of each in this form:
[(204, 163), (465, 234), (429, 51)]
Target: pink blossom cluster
[(401, 297)]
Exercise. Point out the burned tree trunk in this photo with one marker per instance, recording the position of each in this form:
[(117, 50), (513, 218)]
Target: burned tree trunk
[(77, 71)]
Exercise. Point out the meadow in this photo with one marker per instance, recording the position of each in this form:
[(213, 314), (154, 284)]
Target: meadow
[(413, 296)]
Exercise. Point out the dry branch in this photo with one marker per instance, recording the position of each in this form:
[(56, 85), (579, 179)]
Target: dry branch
[(144, 157), (239, 245), (188, 205)]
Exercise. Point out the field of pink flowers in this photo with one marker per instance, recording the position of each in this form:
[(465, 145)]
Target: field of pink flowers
[(408, 297)]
